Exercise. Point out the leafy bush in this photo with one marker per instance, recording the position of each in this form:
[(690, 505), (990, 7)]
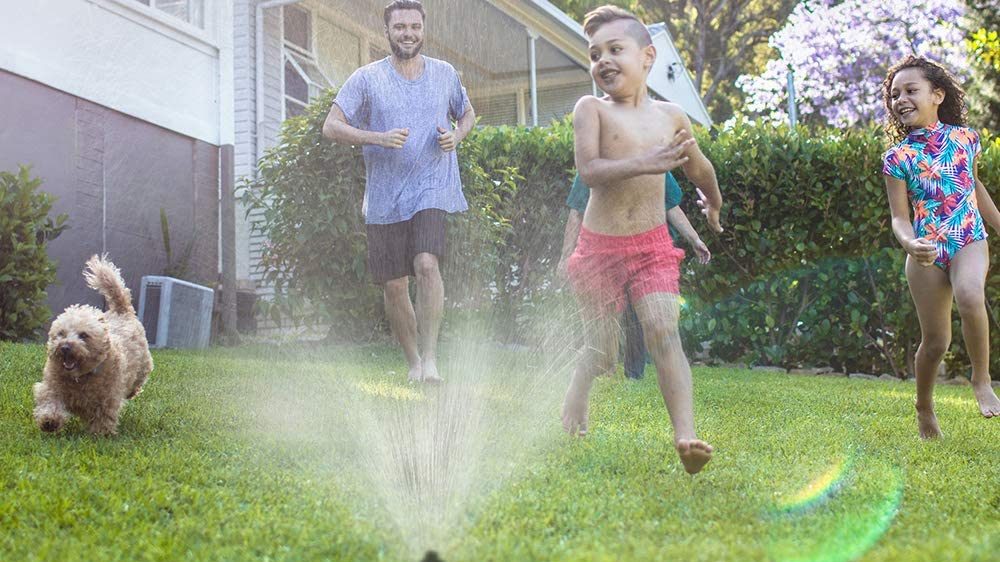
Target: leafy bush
[(311, 191), (807, 272), (25, 267)]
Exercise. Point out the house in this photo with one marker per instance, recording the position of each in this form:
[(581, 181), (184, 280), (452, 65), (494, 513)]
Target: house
[(127, 107), (522, 62), (121, 107)]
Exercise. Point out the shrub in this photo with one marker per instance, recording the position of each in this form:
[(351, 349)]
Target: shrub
[(807, 272), (310, 191), (25, 267)]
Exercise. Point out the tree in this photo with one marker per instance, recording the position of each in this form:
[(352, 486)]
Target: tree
[(984, 52), (719, 39), (840, 52)]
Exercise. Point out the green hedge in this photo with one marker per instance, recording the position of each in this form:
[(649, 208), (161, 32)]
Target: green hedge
[(807, 271), (25, 267)]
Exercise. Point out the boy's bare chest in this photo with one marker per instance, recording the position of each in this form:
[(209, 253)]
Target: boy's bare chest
[(623, 133)]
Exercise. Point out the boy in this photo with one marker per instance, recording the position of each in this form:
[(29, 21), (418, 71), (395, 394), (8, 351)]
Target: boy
[(634, 359), (624, 143)]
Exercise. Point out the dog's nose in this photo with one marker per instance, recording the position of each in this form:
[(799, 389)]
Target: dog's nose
[(64, 349)]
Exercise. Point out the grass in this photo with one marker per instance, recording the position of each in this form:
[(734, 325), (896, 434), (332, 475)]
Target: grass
[(274, 454)]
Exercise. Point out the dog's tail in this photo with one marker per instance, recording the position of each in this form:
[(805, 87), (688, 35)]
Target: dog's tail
[(104, 277)]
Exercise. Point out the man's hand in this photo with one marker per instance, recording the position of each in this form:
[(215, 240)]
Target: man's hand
[(395, 138), (446, 139), (711, 213), (662, 158), (922, 250)]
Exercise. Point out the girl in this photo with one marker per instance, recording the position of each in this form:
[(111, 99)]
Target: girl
[(934, 164)]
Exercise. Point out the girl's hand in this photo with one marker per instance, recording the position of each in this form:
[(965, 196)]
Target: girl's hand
[(922, 250), (704, 256)]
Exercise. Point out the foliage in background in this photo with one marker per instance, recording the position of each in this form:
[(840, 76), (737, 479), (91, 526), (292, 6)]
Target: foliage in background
[(984, 52), (310, 191), (25, 268), (841, 50), (537, 165), (718, 40), (807, 271)]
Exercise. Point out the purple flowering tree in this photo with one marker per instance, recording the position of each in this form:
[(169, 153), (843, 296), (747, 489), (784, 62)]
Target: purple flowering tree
[(840, 52)]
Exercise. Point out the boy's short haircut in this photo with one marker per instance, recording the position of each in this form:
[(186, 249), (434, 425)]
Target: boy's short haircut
[(402, 5), (599, 17)]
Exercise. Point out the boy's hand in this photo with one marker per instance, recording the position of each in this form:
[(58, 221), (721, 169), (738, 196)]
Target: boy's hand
[(922, 250), (704, 255), (446, 139), (711, 213), (662, 158), (395, 138)]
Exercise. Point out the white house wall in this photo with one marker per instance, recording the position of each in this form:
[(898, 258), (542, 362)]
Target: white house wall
[(252, 140), (119, 54)]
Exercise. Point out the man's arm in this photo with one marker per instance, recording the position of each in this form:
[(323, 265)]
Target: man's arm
[(597, 171), (337, 129), (700, 171), (448, 140)]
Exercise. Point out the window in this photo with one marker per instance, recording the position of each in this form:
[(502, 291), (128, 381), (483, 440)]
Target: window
[(191, 11), (298, 28), (303, 79)]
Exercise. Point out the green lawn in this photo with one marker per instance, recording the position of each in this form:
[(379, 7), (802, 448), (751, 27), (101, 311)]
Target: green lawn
[(307, 453)]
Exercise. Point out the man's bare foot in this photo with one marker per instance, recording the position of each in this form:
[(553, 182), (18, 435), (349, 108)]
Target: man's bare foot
[(431, 373), (989, 404), (694, 453), (574, 410), (927, 423), (416, 374)]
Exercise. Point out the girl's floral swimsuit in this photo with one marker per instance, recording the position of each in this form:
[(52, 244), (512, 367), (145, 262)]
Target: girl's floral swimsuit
[(936, 163)]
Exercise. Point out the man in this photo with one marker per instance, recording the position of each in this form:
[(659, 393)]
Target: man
[(401, 110)]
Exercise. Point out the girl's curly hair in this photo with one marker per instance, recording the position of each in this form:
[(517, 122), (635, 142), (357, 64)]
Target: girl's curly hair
[(951, 111)]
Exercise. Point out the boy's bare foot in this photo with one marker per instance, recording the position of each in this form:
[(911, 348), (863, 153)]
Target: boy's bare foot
[(927, 423), (989, 404), (574, 410), (694, 453), (416, 374), (430, 372)]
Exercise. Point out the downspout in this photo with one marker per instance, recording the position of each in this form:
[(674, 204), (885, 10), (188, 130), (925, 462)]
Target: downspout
[(532, 37)]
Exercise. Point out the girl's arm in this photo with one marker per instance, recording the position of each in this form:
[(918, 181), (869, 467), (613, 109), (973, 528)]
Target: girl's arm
[(987, 208), (923, 250)]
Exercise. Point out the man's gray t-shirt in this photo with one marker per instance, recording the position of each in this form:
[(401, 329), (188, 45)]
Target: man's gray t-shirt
[(418, 176)]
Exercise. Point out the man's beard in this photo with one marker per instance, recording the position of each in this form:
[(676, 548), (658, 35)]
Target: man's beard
[(399, 53)]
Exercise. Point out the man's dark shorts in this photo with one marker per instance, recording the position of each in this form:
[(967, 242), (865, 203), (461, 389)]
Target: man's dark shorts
[(392, 247)]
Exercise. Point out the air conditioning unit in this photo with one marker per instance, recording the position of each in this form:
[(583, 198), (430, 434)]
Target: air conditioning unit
[(175, 313)]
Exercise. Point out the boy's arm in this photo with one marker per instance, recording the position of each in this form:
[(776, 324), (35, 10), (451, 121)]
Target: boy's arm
[(603, 172), (337, 129), (700, 171), (922, 250), (987, 208), (678, 219), (570, 235)]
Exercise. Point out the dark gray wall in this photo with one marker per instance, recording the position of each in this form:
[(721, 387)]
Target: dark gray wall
[(111, 174)]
